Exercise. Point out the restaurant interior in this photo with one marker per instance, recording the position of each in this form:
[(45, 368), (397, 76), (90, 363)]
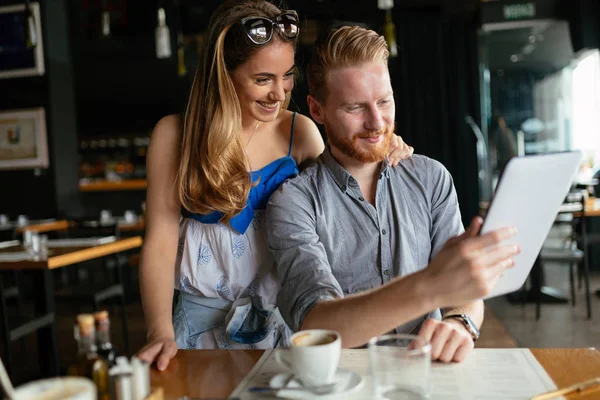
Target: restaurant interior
[(84, 82)]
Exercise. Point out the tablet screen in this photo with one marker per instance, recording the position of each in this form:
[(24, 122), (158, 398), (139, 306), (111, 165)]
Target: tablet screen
[(528, 196)]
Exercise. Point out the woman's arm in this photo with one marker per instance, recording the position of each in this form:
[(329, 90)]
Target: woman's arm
[(157, 264)]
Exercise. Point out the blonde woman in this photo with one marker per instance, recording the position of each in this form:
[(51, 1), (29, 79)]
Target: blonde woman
[(210, 175)]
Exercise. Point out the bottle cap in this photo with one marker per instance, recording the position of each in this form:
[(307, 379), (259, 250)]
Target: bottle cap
[(86, 324)]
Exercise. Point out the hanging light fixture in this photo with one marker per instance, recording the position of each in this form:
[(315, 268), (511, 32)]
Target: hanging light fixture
[(176, 21), (105, 19), (389, 29), (31, 39), (181, 68), (162, 36)]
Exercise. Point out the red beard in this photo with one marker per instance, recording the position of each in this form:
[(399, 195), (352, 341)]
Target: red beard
[(349, 146)]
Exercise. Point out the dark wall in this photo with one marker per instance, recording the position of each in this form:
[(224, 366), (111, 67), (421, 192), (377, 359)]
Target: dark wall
[(23, 191), (120, 87), (435, 80)]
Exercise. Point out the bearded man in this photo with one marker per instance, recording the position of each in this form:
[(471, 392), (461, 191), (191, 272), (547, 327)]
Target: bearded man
[(366, 249)]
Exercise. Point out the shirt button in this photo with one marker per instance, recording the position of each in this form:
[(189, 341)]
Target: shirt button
[(361, 198), (383, 231), (387, 272)]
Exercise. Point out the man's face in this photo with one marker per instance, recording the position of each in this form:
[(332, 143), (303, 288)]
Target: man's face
[(359, 112)]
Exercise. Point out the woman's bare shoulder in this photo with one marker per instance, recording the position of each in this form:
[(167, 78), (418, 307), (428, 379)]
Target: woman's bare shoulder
[(168, 128), (308, 142)]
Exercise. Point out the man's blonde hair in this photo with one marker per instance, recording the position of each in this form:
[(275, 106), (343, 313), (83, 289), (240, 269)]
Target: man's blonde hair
[(347, 46)]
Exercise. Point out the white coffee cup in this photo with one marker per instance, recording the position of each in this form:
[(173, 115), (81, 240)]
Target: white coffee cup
[(3, 219), (313, 357), (69, 387)]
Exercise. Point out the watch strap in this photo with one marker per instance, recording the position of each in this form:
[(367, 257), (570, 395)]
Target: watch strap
[(467, 322)]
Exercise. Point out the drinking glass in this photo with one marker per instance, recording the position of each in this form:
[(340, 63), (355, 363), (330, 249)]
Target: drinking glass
[(400, 367)]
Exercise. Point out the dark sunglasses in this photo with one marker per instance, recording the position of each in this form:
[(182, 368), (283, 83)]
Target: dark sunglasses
[(260, 29)]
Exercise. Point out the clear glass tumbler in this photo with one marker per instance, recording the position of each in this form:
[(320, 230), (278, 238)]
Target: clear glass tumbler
[(400, 367)]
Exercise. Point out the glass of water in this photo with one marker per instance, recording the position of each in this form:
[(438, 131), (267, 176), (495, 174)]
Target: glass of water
[(400, 367)]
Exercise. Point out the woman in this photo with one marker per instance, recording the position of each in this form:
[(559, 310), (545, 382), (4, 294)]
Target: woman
[(209, 178)]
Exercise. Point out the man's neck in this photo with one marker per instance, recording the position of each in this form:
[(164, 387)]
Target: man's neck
[(366, 174)]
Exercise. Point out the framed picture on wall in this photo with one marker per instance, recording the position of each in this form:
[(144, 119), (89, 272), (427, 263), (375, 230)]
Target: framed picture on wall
[(23, 140), (17, 59)]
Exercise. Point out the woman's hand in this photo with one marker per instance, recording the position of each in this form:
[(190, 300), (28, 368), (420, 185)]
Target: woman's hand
[(161, 350), (399, 150)]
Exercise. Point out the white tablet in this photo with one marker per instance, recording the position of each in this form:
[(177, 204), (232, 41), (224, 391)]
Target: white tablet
[(528, 196)]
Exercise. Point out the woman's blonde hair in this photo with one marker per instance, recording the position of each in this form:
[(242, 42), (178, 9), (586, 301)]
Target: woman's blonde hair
[(212, 174), (347, 46)]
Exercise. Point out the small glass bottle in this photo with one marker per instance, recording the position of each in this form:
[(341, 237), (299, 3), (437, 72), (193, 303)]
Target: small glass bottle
[(389, 33), (89, 364), (106, 349)]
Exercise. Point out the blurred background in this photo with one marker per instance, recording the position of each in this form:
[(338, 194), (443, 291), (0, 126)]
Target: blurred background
[(476, 82)]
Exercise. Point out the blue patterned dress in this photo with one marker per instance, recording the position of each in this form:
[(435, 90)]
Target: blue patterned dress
[(226, 275)]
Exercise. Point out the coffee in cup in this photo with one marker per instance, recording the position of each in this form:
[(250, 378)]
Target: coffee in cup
[(313, 356), (310, 339)]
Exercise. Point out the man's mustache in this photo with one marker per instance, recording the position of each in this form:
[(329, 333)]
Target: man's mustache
[(371, 134)]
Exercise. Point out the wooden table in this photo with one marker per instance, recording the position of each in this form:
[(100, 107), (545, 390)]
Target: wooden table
[(216, 373), (592, 208), (44, 303), (12, 225), (51, 226)]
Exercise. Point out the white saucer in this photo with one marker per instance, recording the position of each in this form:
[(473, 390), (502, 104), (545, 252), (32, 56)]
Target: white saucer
[(347, 382)]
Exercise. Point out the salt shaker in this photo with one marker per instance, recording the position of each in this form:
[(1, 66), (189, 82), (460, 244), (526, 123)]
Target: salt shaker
[(141, 378), (121, 380)]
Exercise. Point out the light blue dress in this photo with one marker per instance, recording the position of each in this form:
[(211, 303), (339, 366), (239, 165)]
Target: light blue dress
[(226, 276)]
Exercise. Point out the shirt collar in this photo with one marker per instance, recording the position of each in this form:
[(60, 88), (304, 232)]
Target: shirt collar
[(342, 177)]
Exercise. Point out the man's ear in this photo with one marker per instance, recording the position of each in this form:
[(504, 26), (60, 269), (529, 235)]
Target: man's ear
[(316, 110)]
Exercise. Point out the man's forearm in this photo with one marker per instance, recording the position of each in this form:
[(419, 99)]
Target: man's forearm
[(474, 310), (360, 317)]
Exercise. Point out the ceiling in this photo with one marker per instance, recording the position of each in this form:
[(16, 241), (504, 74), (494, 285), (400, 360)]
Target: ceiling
[(195, 13)]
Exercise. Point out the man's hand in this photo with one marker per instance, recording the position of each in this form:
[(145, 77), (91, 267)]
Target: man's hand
[(449, 339), (398, 150), (468, 266)]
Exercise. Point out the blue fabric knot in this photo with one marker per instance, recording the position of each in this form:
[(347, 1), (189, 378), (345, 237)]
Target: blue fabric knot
[(269, 178)]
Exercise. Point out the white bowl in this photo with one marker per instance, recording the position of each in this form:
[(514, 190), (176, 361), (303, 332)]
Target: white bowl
[(68, 388)]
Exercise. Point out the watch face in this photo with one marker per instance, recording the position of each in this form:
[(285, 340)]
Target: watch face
[(472, 327)]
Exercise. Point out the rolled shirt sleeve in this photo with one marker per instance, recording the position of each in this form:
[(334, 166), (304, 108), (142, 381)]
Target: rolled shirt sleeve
[(302, 263)]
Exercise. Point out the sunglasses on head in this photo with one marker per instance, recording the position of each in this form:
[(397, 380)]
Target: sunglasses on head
[(260, 29)]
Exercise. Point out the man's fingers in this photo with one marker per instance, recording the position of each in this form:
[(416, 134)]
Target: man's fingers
[(427, 329), (474, 227), (500, 254), (169, 350), (463, 351), (440, 337), (495, 272), (489, 239), (452, 345)]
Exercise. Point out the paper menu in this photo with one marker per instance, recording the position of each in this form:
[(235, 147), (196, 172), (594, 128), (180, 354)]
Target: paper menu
[(487, 374), (491, 374)]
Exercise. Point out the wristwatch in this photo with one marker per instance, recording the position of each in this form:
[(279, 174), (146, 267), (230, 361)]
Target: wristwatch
[(467, 322)]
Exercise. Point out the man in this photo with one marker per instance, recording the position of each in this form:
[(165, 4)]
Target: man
[(352, 237)]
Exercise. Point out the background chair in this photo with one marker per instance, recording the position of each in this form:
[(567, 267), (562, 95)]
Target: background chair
[(567, 245)]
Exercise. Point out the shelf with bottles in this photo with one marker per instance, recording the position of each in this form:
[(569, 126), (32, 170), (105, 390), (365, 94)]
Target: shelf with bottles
[(113, 163)]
